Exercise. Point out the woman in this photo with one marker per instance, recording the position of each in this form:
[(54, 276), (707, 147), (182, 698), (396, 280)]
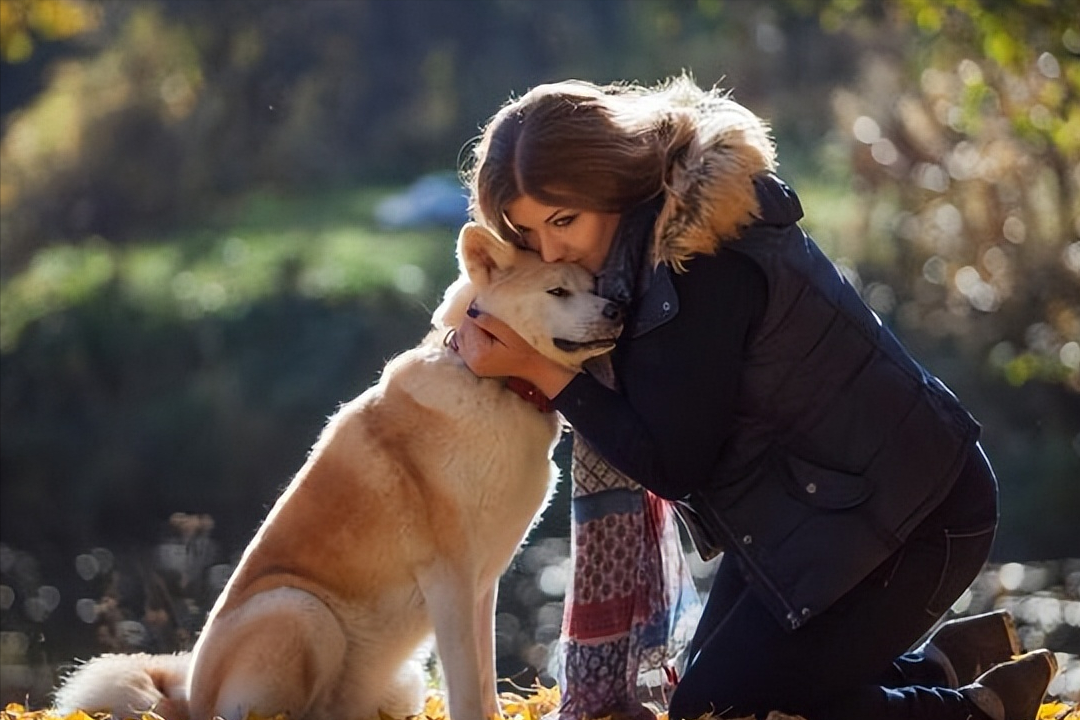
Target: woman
[(753, 391)]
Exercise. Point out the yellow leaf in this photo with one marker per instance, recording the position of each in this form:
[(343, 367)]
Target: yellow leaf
[(1058, 711), (434, 706), (532, 704)]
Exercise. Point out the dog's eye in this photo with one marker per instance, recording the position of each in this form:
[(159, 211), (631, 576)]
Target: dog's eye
[(559, 292)]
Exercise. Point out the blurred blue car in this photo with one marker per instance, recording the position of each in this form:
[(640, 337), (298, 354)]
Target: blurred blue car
[(437, 199)]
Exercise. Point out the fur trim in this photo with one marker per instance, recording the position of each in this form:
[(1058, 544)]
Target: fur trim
[(710, 193)]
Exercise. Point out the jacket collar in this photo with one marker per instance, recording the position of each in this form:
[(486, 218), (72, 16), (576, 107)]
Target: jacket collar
[(624, 273), (710, 194), (778, 205), (646, 290), (719, 184), (628, 279)]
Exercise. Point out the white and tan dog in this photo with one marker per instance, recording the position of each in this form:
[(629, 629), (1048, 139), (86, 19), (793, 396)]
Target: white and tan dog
[(409, 508)]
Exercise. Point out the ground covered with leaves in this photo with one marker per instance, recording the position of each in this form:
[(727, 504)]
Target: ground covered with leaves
[(530, 704), (1044, 599)]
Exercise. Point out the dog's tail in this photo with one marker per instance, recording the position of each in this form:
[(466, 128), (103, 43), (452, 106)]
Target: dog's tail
[(127, 686)]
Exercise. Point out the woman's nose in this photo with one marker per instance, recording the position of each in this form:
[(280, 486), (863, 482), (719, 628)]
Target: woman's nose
[(549, 251)]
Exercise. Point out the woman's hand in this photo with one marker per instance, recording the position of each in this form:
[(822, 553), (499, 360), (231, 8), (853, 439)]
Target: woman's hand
[(491, 349)]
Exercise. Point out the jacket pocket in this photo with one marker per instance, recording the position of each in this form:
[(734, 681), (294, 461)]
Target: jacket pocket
[(824, 488)]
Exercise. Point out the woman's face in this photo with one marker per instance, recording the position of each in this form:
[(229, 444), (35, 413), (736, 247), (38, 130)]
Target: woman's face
[(560, 233)]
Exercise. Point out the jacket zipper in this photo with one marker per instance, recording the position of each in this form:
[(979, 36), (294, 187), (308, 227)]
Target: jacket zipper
[(795, 619)]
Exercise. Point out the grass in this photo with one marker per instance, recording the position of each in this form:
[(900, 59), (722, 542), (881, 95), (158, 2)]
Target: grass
[(325, 246)]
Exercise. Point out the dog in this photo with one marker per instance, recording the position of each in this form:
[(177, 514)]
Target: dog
[(408, 509)]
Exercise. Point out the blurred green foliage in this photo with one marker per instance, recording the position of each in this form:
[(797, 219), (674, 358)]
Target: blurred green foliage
[(966, 148), (323, 248), (191, 277)]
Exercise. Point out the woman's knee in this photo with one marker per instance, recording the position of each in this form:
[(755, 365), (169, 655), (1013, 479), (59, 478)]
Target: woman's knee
[(722, 694)]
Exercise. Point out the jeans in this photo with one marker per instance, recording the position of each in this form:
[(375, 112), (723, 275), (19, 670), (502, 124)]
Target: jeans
[(852, 662)]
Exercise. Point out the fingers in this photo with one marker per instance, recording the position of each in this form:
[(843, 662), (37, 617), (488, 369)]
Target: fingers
[(481, 351), (494, 327), (489, 347), (470, 342)]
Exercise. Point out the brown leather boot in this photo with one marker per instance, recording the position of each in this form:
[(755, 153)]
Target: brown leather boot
[(969, 646), (1013, 690)]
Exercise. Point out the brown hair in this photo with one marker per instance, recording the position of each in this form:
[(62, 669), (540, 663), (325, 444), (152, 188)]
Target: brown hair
[(599, 148)]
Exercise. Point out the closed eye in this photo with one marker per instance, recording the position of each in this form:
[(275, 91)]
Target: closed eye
[(559, 292)]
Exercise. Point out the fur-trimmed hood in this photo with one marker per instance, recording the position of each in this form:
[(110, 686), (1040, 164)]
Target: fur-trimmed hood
[(710, 192)]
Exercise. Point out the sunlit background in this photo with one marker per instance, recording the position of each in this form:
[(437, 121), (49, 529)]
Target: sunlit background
[(219, 219)]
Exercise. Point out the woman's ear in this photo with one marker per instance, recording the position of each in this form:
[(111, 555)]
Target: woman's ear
[(480, 252)]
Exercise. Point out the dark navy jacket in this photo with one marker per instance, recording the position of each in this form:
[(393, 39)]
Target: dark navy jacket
[(759, 393)]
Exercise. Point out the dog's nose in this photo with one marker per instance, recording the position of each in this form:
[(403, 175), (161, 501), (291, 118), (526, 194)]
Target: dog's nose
[(613, 311)]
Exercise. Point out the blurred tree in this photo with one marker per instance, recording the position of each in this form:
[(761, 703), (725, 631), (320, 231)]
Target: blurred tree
[(967, 149)]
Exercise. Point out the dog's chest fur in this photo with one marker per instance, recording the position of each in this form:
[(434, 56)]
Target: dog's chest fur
[(429, 465)]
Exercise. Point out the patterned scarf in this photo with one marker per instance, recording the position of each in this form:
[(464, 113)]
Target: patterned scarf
[(631, 606)]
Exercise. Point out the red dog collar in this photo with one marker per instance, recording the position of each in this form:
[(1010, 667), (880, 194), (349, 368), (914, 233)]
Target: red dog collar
[(530, 394), (523, 388)]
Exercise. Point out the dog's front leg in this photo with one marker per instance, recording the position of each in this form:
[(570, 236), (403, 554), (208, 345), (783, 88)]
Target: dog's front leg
[(451, 597), (485, 639)]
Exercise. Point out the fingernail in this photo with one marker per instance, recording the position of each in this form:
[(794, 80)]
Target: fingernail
[(472, 312)]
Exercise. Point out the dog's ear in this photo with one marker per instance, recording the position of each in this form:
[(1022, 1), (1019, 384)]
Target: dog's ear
[(480, 252)]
